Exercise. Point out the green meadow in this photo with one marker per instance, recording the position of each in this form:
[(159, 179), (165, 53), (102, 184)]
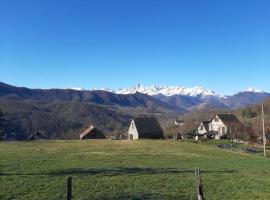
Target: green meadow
[(146, 169)]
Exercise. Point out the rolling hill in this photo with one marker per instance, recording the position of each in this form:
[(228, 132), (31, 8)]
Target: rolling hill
[(65, 113)]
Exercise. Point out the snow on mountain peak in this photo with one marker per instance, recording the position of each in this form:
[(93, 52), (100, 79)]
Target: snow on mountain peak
[(167, 91), (253, 89), (76, 88)]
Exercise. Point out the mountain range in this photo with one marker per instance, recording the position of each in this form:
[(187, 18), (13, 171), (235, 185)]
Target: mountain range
[(198, 97), (99, 97), (64, 113), (180, 99)]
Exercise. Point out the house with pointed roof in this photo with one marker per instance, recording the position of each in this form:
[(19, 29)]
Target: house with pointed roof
[(223, 124), (144, 127), (91, 133), (203, 127)]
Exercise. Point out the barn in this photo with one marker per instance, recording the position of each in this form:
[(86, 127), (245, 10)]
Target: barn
[(91, 133), (144, 127)]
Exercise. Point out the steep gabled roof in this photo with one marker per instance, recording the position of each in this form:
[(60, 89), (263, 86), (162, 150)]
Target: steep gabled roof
[(36, 136), (206, 124), (92, 133), (86, 132), (148, 127), (229, 119)]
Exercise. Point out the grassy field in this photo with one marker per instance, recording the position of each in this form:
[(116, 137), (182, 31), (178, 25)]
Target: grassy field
[(129, 170)]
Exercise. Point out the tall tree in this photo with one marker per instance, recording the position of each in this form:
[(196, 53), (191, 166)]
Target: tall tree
[(2, 122)]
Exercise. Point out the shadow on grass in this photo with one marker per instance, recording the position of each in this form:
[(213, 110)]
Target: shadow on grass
[(140, 196), (117, 171), (147, 196)]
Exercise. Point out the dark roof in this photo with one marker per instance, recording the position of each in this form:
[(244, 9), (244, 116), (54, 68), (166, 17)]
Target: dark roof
[(206, 124), (179, 121), (229, 119), (36, 136), (148, 127), (86, 132), (91, 133)]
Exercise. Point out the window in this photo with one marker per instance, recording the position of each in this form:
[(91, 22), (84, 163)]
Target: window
[(216, 119), (223, 130)]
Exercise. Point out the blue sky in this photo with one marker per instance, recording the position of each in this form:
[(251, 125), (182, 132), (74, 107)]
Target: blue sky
[(217, 44)]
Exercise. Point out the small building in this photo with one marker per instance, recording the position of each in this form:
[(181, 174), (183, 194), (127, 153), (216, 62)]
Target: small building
[(13, 136), (223, 124), (203, 127), (92, 133), (9, 137), (179, 122), (144, 127), (36, 136)]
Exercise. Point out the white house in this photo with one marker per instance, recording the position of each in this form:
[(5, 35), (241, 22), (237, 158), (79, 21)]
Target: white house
[(203, 127), (223, 124), (144, 127), (132, 131), (220, 125), (179, 122)]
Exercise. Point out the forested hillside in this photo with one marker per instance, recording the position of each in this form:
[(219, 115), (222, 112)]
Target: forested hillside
[(252, 117), (137, 100), (60, 120), (65, 113)]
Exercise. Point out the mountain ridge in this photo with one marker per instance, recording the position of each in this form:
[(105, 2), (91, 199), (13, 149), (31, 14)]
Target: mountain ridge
[(176, 98), (137, 100), (196, 91), (198, 97), (58, 111)]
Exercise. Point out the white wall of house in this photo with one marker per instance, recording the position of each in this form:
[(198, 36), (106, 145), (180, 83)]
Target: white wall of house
[(218, 126), (176, 123), (132, 131), (201, 129)]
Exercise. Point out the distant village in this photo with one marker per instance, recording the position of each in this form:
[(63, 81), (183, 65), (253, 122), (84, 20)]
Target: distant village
[(221, 126)]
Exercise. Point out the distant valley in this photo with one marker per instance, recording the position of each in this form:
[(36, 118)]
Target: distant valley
[(64, 113)]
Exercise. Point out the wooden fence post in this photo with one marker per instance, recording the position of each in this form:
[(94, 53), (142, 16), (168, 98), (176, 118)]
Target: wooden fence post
[(199, 185), (69, 188)]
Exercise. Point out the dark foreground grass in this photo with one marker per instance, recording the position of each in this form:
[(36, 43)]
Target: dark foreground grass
[(129, 170)]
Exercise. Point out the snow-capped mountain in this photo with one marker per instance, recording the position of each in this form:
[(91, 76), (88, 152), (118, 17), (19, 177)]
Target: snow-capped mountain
[(155, 90), (172, 98), (197, 97), (253, 89), (75, 88)]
